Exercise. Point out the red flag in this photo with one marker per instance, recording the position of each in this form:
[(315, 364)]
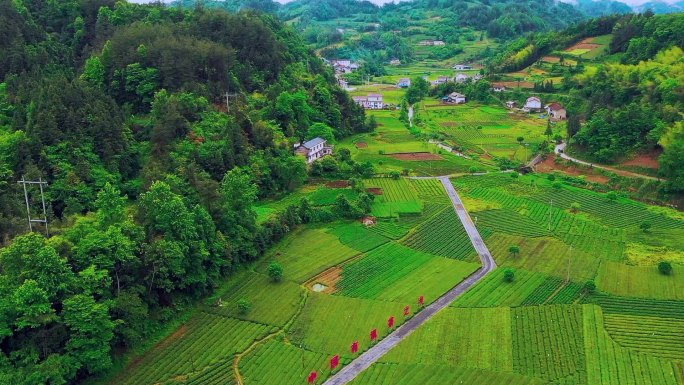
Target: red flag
[(390, 322), (407, 310), (312, 377), (374, 334), (355, 347), (334, 362), (421, 300)]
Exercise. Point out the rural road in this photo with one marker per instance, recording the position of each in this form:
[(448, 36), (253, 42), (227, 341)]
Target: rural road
[(372, 355), (560, 150)]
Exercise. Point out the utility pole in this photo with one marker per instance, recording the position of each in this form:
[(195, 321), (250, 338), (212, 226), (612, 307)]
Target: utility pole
[(228, 96), (31, 221)]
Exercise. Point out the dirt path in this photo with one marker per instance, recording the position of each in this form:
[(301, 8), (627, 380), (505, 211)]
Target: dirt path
[(560, 150), (372, 355)]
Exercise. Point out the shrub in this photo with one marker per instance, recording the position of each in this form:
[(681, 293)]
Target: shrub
[(665, 268), (395, 175), (575, 207), (551, 177), (275, 271), (515, 250), (645, 226), (509, 275), (244, 306), (589, 287)]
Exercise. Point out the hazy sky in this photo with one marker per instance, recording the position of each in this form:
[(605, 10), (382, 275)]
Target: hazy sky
[(630, 2)]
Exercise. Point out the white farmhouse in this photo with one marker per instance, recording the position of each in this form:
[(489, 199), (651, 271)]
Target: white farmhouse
[(454, 98), (533, 103), (370, 102), (314, 149)]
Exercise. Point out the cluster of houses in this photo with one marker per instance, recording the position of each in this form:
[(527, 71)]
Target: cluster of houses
[(454, 98), (315, 148), (431, 43), (555, 110), (370, 102), (343, 66)]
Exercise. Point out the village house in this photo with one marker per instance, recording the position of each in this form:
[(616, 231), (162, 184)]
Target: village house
[(462, 67), (533, 104), (404, 83), (461, 78), (454, 98), (476, 77), (431, 43), (511, 104), (344, 66), (441, 80), (556, 111), (314, 149), (370, 102), (496, 87), (395, 62)]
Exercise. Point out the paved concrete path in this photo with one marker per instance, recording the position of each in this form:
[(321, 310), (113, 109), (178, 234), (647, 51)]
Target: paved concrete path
[(372, 355), (560, 150)]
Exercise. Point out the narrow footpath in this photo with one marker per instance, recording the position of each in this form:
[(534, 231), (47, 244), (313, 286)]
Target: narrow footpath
[(560, 150), (372, 355)]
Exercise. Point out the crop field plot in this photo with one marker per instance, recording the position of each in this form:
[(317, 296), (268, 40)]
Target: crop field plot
[(329, 323), (509, 221), (397, 198), (609, 363), (307, 252), (662, 337), (394, 190), (326, 196), (193, 347), (394, 272), (493, 291), (618, 214), (443, 235), (273, 303), (640, 281), (475, 338), (390, 228), (612, 304), (419, 374), (486, 129), (544, 255), (431, 280), (554, 290), (547, 342), (279, 363), (429, 189), (357, 236)]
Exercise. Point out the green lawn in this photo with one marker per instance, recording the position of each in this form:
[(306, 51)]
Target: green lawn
[(306, 252)]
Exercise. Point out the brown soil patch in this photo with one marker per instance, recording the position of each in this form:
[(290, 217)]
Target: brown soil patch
[(361, 145), (416, 156), (337, 184), (551, 59), (375, 190), (515, 84), (328, 278), (584, 44), (550, 166), (644, 160)]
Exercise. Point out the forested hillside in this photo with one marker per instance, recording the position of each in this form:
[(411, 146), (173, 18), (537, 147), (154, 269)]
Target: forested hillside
[(121, 109)]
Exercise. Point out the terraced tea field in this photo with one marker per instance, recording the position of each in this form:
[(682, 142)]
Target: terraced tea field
[(542, 325)]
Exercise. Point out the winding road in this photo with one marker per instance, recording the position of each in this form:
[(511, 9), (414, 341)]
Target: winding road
[(560, 150), (372, 355)]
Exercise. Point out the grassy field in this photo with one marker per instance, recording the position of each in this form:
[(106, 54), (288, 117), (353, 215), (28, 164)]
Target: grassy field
[(307, 252), (640, 281)]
